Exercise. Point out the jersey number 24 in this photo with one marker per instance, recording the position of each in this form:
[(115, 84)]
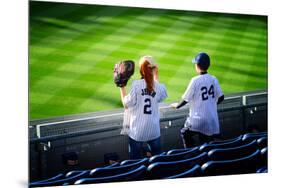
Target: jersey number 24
[(207, 92)]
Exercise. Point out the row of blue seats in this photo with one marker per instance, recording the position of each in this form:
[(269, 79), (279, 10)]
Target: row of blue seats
[(197, 166), (244, 154)]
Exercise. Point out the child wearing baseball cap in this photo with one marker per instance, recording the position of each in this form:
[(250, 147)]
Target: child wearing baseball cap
[(203, 94)]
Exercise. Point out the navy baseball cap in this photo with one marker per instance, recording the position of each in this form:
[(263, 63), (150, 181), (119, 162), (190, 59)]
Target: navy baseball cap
[(201, 58)]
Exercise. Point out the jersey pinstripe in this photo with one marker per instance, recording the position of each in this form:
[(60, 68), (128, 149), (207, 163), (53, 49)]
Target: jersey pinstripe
[(143, 110), (202, 94)]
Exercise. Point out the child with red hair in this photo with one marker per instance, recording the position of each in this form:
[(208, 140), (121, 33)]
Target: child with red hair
[(142, 106)]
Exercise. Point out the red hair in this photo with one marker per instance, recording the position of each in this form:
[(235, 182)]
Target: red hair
[(147, 73)]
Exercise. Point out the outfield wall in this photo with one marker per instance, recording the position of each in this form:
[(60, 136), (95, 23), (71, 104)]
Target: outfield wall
[(92, 135)]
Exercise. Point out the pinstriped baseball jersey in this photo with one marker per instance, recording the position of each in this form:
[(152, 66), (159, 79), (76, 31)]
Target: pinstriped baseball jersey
[(202, 93), (144, 110)]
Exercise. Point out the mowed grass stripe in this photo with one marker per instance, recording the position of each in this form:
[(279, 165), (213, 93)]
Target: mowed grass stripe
[(78, 18), (233, 73), (78, 36), (67, 88), (130, 49), (220, 50), (179, 48), (53, 57), (160, 41), (254, 73), (200, 30), (53, 60), (61, 24), (95, 46), (109, 26), (90, 57)]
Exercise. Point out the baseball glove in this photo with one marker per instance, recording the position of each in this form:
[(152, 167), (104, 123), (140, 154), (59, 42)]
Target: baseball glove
[(123, 72)]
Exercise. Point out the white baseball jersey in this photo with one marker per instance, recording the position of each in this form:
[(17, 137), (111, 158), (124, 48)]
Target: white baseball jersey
[(202, 93), (143, 110)]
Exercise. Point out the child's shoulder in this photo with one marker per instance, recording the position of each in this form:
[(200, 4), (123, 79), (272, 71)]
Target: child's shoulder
[(214, 77), (137, 82), (203, 77)]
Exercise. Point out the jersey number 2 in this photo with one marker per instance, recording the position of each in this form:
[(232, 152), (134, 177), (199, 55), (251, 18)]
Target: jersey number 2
[(207, 92), (147, 106)]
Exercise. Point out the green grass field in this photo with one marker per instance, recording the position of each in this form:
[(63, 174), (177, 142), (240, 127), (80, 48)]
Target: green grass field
[(73, 49)]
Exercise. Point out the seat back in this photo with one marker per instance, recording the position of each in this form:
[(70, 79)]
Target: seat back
[(225, 141), (262, 142), (102, 172), (133, 175), (193, 172), (57, 177), (248, 164), (233, 143), (174, 151), (165, 169), (233, 153), (145, 161), (68, 180), (253, 136), (264, 157), (75, 172), (262, 170), (175, 157)]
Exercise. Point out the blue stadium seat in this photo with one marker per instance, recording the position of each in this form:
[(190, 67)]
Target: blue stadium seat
[(144, 161), (102, 172), (57, 177), (264, 157), (257, 134), (248, 164), (174, 151), (175, 157), (262, 170), (133, 175), (233, 153), (112, 165), (233, 143), (262, 142), (166, 169), (76, 172), (58, 182), (253, 136), (193, 172), (225, 141)]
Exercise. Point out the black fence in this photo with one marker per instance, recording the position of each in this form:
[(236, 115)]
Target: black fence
[(91, 136)]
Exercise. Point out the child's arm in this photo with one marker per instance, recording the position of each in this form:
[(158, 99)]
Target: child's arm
[(179, 105), (220, 99), (123, 94), (155, 73)]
